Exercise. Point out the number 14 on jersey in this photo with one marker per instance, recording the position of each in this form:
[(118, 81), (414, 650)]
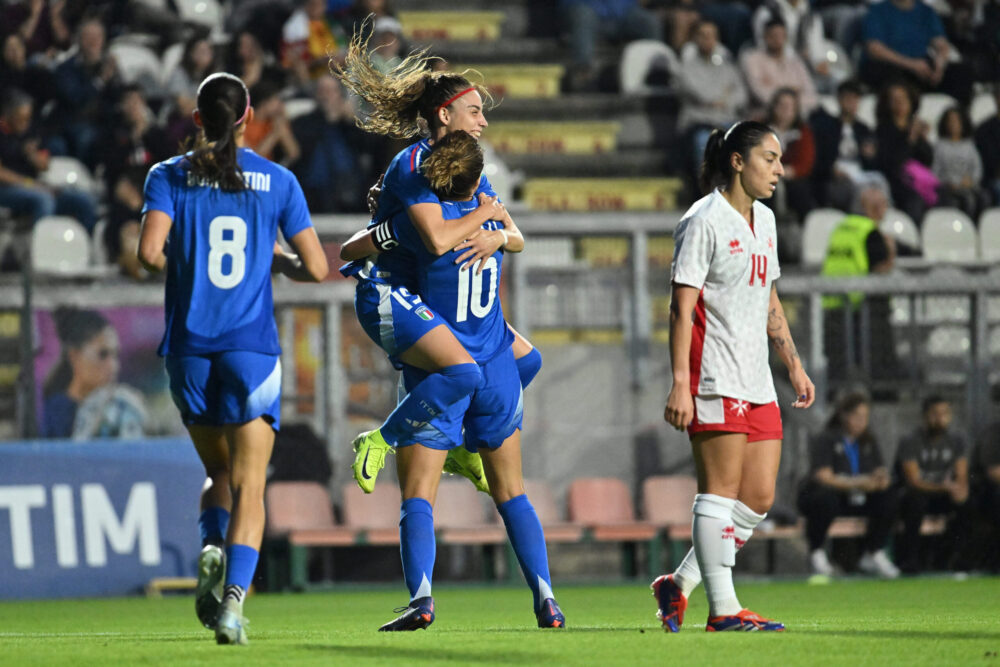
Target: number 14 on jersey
[(758, 269)]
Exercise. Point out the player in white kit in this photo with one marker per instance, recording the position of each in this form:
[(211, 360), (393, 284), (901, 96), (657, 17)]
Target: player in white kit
[(723, 310)]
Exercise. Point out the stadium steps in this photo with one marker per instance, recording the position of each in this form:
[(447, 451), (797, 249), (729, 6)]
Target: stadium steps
[(518, 80), (560, 137), (601, 194), (461, 26), (631, 163)]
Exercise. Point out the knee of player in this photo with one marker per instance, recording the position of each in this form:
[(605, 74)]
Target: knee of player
[(465, 376), (758, 502)]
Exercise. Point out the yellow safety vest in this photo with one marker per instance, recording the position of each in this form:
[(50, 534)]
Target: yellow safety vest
[(846, 255)]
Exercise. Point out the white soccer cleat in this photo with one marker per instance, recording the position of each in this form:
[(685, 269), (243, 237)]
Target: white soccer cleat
[(208, 593), (231, 626), (878, 563)]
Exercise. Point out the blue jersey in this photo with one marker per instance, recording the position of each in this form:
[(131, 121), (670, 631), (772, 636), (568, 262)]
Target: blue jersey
[(469, 303), (403, 186), (219, 253)]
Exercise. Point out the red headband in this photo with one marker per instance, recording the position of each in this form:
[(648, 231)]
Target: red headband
[(455, 97), (245, 111)]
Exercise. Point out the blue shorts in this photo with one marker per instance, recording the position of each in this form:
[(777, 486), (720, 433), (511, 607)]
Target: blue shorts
[(489, 416), (231, 387), (392, 317)]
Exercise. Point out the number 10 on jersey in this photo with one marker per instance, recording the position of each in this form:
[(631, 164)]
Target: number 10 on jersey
[(758, 269), (470, 290)]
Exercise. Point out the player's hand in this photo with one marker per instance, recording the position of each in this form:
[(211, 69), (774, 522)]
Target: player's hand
[(478, 247), (374, 192), (492, 207), (805, 391), (679, 410)]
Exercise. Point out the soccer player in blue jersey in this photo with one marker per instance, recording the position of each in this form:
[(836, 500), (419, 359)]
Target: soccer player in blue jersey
[(211, 219), (398, 103), (464, 295)]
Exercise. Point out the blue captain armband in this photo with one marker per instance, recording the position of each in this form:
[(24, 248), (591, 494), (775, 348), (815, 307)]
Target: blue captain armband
[(383, 236)]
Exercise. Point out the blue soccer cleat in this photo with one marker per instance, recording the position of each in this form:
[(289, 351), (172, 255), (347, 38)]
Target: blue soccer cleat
[(417, 616), (208, 593), (550, 615), (231, 626), (671, 602), (744, 621)]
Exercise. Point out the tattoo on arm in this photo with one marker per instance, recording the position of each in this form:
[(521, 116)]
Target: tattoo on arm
[(777, 330)]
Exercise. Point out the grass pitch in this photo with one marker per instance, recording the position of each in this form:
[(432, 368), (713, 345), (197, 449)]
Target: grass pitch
[(854, 622)]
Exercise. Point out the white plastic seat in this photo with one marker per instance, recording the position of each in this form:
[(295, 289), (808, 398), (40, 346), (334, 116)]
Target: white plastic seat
[(138, 64), (59, 244), (638, 59), (983, 107), (171, 59), (207, 13), (949, 236), (946, 307), (932, 107), (299, 106), (866, 109), (68, 172), (989, 235), (839, 63), (816, 230), (899, 225), (501, 177)]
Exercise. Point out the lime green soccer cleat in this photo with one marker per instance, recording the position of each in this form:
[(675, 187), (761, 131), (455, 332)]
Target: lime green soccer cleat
[(462, 462), (370, 449)]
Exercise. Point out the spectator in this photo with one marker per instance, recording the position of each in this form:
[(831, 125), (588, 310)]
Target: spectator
[(197, 62), (334, 151), (711, 89), (23, 160), (794, 193), (857, 248), (82, 397), (308, 40), (129, 148), (386, 44), (842, 21), (732, 18), (933, 472), (845, 152), (616, 20), (904, 40), (269, 132), (772, 66), (253, 64), (987, 140), (805, 35), (40, 24), (16, 72), (903, 152), (362, 9), (957, 164), (86, 87), (985, 487), (848, 477)]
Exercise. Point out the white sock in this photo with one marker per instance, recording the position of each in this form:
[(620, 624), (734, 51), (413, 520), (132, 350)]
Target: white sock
[(688, 573), (715, 546)]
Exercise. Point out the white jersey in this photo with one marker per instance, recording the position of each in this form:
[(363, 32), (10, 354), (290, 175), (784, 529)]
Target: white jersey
[(734, 265)]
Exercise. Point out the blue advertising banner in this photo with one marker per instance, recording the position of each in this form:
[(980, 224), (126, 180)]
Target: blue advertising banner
[(82, 519)]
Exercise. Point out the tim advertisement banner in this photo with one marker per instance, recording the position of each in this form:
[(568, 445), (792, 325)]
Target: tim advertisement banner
[(96, 518)]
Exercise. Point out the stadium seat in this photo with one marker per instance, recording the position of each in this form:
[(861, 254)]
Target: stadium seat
[(944, 308), (818, 226), (140, 65), (299, 516), (667, 500), (171, 59), (68, 172), (898, 224), (989, 235), (638, 59), (299, 106), (603, 505), (949, 236), (932, 107), (840, 65), (501, 177), (866, 110), (983, 107), (375, 514), (207, 13), (59, 245), (556, 528), (459, 517)]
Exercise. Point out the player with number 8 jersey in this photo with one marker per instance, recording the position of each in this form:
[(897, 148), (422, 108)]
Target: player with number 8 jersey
[(211, 219)]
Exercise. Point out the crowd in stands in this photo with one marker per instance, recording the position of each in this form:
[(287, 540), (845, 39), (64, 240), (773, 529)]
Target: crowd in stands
[(68, 91)]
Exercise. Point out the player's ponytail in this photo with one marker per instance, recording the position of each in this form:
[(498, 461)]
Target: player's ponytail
[(454, 166), (223, 104), (717, 167), (396, 101)]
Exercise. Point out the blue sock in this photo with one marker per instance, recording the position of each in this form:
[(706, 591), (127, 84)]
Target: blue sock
[(528, 540), (528, 366), (241, 563), (213, 524), (417, 545), (430, 397)]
